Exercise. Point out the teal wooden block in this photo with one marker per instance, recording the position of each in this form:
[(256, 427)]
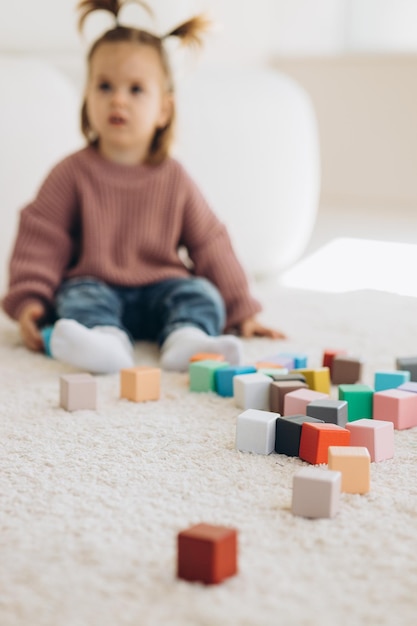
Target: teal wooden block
[(359, 399), (390, 380), (202, 374), (223, 378)]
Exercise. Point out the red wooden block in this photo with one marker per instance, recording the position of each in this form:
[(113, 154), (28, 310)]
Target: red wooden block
[(316, 439), (207, 553), (328, 357)]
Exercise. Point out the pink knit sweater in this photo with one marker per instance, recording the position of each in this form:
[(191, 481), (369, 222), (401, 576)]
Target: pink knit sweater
[(123, 225)]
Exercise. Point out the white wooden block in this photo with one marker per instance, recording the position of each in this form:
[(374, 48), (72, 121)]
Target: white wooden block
[(251, 391), (255, 431), (316, 492)]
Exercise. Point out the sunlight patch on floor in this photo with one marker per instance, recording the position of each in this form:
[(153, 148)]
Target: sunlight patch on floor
[(348, 264)]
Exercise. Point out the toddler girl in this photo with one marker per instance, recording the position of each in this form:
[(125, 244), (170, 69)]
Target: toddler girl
[(97, 249)]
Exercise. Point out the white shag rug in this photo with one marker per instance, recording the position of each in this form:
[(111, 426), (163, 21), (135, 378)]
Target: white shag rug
[(91, 502)]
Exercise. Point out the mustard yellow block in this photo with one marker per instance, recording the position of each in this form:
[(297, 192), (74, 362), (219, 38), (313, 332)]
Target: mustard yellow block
[(354, 463), (140, 384), (316, 379)]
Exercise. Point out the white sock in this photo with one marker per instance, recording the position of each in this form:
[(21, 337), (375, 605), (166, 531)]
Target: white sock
[(99, 350), (180, 346)]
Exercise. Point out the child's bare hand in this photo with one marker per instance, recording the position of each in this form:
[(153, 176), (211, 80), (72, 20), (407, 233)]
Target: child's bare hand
[(252, 328), (31, 314)]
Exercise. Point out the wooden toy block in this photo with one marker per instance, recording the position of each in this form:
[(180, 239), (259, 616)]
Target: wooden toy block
[(140, 384), (359, 399), (411, 387), (207, 356), (255, 431), (284, 360), (346, 370), (251, 391), (278, 391), (390, 380), (317, 379), (330, 411), (408, 363), (203, 374), (279, 376), (316, 492), (207, 553), (376, 435), (396, 406), (316, 439), (328, 357), (271, 371), (296, 402), (291, 360), (77, 392), (261, 365), (288, 433), (354, 463), (223, 378)]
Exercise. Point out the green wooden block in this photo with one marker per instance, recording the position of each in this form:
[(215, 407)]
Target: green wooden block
[(359, 399), (202, 374)]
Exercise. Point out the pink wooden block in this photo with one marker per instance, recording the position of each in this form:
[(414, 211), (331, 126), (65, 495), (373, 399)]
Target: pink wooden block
[(376, 435), (295, 402), (396, 406)]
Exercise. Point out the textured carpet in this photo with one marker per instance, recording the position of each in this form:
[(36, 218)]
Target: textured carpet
[(91, 502)]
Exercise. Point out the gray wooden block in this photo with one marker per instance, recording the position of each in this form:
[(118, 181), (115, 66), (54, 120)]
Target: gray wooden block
[(330, 411)]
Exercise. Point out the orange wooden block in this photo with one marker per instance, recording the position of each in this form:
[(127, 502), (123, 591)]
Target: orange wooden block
[(264, 365), (140, 384), (207, 553), (206, 356), (316, 439), (354, 463)]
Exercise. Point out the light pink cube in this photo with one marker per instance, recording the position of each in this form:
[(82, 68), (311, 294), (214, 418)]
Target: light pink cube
[(396, 406), (376, 435), (295, 402)]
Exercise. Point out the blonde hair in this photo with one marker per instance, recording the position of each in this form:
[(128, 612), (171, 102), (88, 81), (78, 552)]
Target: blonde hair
[(189, 33)]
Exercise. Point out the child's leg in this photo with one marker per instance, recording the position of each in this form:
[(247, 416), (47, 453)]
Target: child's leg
[(89, 334), (194, 316)]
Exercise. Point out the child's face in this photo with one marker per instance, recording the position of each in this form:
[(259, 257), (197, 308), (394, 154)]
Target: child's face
[(127, 100)]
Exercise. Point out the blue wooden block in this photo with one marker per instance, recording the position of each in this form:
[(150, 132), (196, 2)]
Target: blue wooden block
[(223, 378), (390, 380)]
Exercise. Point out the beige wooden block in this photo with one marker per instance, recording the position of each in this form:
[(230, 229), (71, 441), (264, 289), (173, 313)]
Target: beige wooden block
[(354, 463), (140, 384), (78, 391)]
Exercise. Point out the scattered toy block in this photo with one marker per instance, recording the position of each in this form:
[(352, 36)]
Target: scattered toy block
[(346, 370), (411, 387), (77, 392), (328, 410), (328, 357), (278, 391), (251, 391), (207, 356), (354, 463), (316, 439), (261, 365), (255, 431), (293, 360), (288, 433), (279, 376), (140, 384), (317, 379), (376, 435), (271, 371), (202, 375), (284, 360), (359, 399), (296, 402), (207, 553), (223, 378), (408, 363), (396, 406), (390, 380), (316, 492)]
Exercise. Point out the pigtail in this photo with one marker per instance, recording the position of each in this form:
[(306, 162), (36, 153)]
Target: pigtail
[(85, 7), (191, 32)]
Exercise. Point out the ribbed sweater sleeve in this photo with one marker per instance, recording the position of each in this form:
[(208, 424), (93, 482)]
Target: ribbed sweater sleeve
[(124, 226), (44, 244)]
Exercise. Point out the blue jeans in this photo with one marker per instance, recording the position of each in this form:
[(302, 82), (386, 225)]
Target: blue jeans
[(151, 312)]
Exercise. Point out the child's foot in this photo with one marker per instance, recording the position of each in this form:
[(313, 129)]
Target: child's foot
[(180, 346), (99, 350)]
